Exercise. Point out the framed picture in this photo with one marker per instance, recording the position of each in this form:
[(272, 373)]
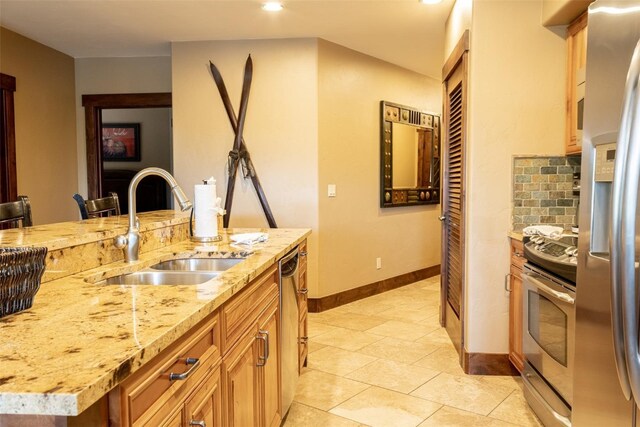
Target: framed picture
[(121, 142)]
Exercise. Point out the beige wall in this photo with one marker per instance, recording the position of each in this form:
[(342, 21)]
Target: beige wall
[(114, 75), (155, 136), (517, 89), (354, 230), (281, 130), (45, 125), (458, 21)]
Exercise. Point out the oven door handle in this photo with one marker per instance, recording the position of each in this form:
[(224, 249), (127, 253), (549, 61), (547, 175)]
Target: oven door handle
[(540, 285)]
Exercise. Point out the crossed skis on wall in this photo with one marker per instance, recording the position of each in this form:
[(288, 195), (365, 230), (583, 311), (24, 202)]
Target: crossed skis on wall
[(239, 155)]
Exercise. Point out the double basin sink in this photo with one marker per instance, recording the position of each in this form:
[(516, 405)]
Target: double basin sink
[(186, 271)]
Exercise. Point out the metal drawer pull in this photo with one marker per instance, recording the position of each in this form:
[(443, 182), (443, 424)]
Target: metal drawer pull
[(518, 254), (183, 376), (507, 282), (198, 423), (304, 340), (303, 291), (303, 253), (264, 336)]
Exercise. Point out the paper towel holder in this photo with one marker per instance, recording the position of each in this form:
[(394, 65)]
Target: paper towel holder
[(198, 239)]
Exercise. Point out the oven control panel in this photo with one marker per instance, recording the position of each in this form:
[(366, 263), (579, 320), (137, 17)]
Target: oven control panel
[(556, 256)]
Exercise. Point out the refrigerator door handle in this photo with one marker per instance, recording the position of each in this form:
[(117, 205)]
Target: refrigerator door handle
[(622, 236)]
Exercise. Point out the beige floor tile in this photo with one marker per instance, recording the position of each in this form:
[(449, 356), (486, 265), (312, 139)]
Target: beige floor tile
[(305, 416), (379, 407), (515, 409), (514, 383), (402, 330), (315, 346), (317, 328), (452, 417), (346, 339), (324, 391), (366, 306), (407, 315), (444, 359), (439, 337), (338, 361), (393, 375), (399, 350), (358, 322), (463, 392)]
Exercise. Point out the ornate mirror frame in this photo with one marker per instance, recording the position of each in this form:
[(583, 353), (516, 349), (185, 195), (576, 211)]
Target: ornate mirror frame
[(427, 188)]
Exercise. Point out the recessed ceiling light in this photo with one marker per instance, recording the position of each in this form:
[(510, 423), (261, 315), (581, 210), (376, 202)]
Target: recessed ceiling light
[(430, 1), (272, 6)]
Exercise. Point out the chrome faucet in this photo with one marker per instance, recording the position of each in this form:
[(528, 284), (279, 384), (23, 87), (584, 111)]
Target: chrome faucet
[(130, 242)]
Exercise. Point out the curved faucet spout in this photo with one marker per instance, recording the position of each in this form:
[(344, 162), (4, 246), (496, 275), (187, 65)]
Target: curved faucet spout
[(130, 242)]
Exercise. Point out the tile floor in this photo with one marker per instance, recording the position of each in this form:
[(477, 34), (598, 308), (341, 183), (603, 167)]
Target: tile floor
[(385, 361)]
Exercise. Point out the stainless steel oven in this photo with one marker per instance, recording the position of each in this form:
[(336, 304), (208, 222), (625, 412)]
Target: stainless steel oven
[(548, 344)]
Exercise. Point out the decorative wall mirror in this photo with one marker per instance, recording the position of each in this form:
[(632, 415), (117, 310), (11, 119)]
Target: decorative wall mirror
[(409, 156)]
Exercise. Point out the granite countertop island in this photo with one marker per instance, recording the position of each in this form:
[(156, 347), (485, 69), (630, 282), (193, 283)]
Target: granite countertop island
[(80, 339)]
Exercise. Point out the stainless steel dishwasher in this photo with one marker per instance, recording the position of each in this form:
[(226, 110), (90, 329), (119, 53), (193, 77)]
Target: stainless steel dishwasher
[(288, 271)]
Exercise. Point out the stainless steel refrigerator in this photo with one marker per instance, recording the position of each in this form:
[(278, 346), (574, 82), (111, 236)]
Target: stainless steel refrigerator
[(607, 364)]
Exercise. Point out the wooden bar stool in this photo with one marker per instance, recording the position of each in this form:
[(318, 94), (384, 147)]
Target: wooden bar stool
[(105, 206), (14, 213)]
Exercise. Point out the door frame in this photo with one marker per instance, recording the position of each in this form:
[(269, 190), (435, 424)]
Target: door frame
[(8, 170), (455, 328), (93, 106)]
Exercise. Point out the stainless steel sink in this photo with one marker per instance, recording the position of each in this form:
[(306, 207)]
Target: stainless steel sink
[(198, 264), (160, 278)]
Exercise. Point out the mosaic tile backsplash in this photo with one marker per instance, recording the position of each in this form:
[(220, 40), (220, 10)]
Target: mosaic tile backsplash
[(543, 191)]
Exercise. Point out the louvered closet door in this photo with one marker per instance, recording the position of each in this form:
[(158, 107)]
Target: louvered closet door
[(452, 270), (453, 201)]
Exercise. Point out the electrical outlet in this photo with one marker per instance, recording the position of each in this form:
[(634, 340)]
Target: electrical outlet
[(378, 263)]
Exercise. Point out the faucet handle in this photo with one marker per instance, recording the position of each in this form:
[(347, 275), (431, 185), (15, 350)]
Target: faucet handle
[(120, 241)]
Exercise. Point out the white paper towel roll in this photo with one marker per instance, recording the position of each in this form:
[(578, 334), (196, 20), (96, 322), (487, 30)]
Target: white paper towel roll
[(205, 210)]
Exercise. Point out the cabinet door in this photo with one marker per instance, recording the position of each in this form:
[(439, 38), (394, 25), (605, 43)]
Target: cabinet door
[(515, 319), (576, 63), (303, 343), (204, 406), (240, 382), (270, 371)]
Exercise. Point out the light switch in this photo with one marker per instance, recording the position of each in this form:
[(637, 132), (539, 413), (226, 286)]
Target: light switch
[(331, 190)]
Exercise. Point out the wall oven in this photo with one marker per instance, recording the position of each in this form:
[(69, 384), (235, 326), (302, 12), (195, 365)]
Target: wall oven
[(548, 333)]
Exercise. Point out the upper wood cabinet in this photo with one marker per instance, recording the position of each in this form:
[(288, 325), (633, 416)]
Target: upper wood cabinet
[(576, 64)]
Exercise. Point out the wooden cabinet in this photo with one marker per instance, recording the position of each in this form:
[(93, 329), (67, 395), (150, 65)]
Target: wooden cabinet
[(303, 295), (576, 65), (224, 372), (160, 393), (514, 286), (251, 359)]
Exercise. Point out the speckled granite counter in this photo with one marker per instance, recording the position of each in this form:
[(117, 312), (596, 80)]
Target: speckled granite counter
[(516, 235), (81, 339)]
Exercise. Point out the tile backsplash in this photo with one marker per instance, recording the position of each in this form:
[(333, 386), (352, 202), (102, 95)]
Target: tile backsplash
[(543, 191)]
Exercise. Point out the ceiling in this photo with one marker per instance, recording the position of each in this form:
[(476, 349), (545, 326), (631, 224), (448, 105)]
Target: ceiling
[(403, 32)]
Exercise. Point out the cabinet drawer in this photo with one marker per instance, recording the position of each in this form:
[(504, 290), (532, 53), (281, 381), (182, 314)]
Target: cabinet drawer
[(239, 314), (517, 253), (150, 393)]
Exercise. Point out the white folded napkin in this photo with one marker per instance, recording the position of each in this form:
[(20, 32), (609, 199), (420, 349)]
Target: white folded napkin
[(249, 238), (543, 230)]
